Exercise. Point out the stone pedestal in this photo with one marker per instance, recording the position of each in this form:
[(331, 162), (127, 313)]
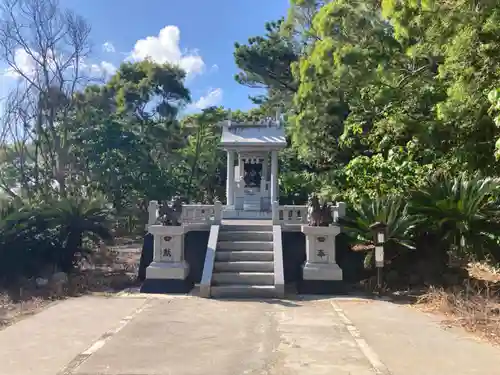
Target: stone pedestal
[(321, 274), (169, 271)]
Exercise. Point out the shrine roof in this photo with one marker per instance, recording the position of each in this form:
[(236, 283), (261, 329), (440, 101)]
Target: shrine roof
[(257, 136)]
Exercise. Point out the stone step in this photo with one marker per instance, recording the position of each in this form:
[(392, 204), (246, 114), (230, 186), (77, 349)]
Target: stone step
[(263, 291), (247, 278), (243, 255), (245, 228), (254, 266), (245, 236), (251, 207), (244, 245), (231, 214)]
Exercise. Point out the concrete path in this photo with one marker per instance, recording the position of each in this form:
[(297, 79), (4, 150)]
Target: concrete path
[(411, 342), (196, 336), (47, 342), (146, 335)]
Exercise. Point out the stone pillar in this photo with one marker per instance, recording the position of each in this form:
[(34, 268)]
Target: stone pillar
[(168, 273), (241, 168), (265, 167), (265, 199), (230, 178), (338, 211), (275, 213), (152, 213), (262, 181), (321, 273), (217, 212), (274, 176)]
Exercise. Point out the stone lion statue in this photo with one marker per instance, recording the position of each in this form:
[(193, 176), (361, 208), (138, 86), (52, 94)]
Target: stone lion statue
[(319, 215), (326, 215), (170, 214), (313, 211)]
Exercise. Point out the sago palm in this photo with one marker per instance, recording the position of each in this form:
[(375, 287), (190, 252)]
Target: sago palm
[(75, 219), (392, 211), (27, 241), (463, 211)]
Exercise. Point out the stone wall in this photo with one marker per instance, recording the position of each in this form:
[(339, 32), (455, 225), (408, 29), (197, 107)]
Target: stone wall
[(146, 256), (195, 249), (294, 256)]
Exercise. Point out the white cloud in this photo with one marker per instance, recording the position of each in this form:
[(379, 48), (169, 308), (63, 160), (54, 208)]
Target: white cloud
[(108, 47), (214, 68), (24, 64), (162, 48), (104, 67), (166, 48), (212, 98)]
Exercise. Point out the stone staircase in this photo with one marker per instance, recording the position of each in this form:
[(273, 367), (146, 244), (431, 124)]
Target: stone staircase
[(244, 262)]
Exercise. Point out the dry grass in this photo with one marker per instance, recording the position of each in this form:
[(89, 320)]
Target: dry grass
[(475, 305), (110, 271), (11, 311)]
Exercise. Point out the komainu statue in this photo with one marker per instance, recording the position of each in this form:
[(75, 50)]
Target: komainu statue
[(319, 215), (326, 215), (170, 214), (313, 211)]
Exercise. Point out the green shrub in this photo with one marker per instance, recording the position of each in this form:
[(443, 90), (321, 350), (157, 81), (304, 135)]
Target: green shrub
[(462, 212), (392, 211), (50, 236)]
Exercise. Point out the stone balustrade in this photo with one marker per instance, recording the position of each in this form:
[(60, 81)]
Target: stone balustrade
[(212, 214), (201, 213), (191, 213), (292, 214), (289, 214)]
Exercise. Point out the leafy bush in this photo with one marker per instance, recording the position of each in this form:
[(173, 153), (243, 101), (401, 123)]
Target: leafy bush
[(392, 211), (76, 219), (49, 237), (374, 176), (462, 211)]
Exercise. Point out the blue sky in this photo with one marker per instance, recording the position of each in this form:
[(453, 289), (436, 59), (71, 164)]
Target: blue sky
[(207, 31)]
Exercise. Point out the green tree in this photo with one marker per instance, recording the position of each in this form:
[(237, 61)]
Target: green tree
[(203, 156), (132, 151), (265, 63)]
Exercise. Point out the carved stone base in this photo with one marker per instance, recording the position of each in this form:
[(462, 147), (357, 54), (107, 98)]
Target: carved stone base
[(322, 271), (170, 270), (323, 287), (167, 286), (163, 277)]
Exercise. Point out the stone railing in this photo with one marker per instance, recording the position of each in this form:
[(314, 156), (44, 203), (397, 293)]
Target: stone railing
[(191, 213), (201, 213), (289, 214), (297, 215)]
